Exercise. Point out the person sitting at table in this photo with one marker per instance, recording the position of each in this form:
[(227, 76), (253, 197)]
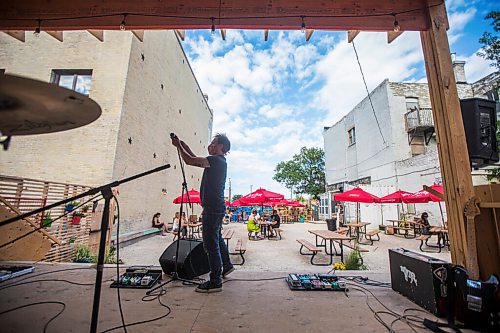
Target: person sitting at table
[(424, 221), (182, 222), (253, 225), (157, 223), (275, 223)]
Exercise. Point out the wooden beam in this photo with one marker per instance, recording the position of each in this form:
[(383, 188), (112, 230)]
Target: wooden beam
[(20, 35), (56, 34), (139, 34), (351, 34), (450, 134), (266, 35), (309, 33), (392, 35), (181, 33), (434, 192), (223, 34), (367, 15), (99, 34)]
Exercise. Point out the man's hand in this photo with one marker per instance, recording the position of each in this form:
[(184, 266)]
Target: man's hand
[(175, 141)]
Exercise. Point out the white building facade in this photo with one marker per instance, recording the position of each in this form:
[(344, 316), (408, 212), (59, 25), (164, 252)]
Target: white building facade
[(391, 147)]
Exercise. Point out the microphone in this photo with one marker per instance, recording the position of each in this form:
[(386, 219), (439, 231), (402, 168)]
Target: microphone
[(172, 135)]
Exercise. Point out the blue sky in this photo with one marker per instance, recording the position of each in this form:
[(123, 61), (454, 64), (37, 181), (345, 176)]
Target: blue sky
[(272, 98)]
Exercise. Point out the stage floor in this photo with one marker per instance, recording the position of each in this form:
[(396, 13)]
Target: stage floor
[(253, 305)]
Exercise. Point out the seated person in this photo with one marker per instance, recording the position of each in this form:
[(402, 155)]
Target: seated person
[(253, 224), (275, 223), (424, 220), (157, 223), (183, 224)]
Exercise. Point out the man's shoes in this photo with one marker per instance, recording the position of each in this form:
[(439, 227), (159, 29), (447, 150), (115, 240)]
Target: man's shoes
[(208, 287), (226, 272)]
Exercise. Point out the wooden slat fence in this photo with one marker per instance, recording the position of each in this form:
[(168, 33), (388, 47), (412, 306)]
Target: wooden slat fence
[(29, 194)]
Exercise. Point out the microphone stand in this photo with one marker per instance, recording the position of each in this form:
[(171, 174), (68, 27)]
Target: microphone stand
[(175, 275), (107, 194)]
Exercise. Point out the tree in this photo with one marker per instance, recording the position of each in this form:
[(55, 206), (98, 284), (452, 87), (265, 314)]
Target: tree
[(491, 43), (304, 173), (236, 197)]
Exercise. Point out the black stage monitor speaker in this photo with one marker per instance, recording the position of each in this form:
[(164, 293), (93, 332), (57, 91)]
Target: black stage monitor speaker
[(192, 260), (420, 278), (480, 124)]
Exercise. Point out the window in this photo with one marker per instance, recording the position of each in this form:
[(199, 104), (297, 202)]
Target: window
[(412, 103), (351, 134), (78, 80)]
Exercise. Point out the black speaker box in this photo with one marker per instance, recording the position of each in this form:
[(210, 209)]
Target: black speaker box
[(191, 262), (480, 124), (422, 279)]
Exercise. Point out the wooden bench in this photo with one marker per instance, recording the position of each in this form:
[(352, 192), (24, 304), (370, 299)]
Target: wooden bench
[(355, 246), (309, 246), (422, 239), (240, 249), (371, 233), (277, 232)]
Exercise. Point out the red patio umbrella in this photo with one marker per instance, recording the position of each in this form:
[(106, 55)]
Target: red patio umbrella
[(259, 197), (194, 197), (284, 202), (356, 195), (423, 196), (395, 197)]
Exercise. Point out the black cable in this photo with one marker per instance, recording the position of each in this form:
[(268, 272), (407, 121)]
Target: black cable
[(39, 303), (147, 299), (368, 92), (255, 280), (44, 225), (118, 264)]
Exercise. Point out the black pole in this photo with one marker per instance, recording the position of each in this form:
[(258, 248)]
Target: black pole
[(107, 194)]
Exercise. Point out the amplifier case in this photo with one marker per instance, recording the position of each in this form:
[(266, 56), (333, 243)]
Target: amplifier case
[(420, 278)]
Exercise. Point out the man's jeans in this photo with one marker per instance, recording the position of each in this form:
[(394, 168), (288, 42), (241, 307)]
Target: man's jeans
[(217, 252)]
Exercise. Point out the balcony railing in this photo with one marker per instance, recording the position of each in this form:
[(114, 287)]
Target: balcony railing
[(419, 119)]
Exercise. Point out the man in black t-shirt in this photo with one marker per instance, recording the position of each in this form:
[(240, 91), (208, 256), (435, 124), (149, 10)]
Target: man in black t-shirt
[(214, 207), (275, 223)]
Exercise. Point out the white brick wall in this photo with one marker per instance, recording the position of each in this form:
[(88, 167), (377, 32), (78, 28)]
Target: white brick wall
[(129, 92)]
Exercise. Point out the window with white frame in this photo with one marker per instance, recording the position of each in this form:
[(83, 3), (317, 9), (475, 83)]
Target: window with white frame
[(351, 136), (78, 80)]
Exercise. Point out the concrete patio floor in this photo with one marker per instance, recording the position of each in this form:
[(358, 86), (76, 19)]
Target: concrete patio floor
[(253, 305)]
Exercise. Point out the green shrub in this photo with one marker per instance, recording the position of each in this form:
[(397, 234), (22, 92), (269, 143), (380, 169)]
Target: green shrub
[(354, 261)]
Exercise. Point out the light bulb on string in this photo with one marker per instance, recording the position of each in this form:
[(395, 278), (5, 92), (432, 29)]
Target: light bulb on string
[(123, 24), (303, 25), (212, 29), (396, 26)]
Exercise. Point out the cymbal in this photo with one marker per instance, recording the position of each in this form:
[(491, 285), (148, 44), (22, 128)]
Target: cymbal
[(29, 106)]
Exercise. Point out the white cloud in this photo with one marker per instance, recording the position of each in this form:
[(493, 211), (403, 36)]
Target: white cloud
[(476, 67)]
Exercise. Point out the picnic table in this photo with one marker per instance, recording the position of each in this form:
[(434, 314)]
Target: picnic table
[(331, 236), (358, 227), (406, 226), (227, 234)]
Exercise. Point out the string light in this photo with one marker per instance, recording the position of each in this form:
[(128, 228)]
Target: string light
[(396, 24), (213, 25), (37, 29), (123, 25), (303, 25)]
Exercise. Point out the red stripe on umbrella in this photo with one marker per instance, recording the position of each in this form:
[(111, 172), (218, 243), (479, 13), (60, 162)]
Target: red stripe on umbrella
[(259, 197), (356, 195), (396, 197), (194, 197)]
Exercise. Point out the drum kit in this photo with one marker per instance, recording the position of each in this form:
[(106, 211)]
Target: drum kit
[(30, 107)]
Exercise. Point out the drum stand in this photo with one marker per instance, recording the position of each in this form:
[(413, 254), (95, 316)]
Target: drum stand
[(107, 194)]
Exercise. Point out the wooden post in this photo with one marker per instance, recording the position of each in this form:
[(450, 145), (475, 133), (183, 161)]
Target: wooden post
[(450, 134)]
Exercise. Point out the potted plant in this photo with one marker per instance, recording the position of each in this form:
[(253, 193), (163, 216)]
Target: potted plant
[(77, 217), (47, 220), (70, 206), (85, 208)]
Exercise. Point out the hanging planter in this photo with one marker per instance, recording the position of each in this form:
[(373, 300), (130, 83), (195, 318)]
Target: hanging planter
[(70, 206), (47, 220), (77, 217)]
